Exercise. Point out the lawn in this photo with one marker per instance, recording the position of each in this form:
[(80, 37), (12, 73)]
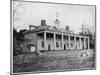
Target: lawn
[(54, 60)]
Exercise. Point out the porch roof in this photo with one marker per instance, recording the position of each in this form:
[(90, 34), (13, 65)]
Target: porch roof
[(41, 28)]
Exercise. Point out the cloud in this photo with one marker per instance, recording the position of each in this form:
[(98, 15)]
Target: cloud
[(72, 15)]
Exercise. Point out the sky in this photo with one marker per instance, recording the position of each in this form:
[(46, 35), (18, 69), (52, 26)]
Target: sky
[(31, 13)]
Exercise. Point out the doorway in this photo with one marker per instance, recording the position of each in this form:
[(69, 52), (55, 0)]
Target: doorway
[(48, 47), (64, 47)]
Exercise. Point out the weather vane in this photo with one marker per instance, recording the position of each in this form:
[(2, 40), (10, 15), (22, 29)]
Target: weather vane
[(57, 21)]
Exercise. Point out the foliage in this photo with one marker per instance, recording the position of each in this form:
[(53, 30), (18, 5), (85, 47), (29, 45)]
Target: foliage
[(18, 39), (90, 32)]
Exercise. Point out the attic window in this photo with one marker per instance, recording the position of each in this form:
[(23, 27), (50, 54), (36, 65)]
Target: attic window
[(58, 36), (66, 37), (49, 35)]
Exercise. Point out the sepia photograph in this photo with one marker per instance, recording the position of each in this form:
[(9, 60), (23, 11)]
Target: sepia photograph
[(52, 37)]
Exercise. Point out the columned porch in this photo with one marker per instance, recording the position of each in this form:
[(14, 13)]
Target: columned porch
[(62, 41)]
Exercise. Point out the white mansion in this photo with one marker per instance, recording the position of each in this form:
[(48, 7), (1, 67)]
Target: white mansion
[(46, 37)]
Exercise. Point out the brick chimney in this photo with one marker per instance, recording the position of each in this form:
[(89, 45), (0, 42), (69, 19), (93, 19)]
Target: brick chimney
[(67, 28), (43, 22)]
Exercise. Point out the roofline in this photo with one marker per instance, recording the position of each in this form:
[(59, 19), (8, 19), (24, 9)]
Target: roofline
[(71, 34), (33, 25)]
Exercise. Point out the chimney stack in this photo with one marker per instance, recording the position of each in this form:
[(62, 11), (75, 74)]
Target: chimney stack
[(43, 22), (67, 28)]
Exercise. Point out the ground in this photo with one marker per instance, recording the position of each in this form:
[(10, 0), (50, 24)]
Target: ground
[(54, 60)]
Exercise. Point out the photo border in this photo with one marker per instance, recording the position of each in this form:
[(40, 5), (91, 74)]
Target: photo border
[(11, 38)]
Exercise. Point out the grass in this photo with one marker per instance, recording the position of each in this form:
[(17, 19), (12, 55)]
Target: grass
[(48, 62)]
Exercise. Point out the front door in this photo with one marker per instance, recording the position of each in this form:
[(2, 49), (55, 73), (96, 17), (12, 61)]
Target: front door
[(64, 47), (48, 47)]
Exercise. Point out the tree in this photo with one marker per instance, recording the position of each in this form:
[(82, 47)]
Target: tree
[(16, 44), (90, 32), (18, 39)]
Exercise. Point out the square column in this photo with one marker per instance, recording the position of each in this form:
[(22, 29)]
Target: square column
[(44, 40), (69, 41), (74, 42), (54, 41), (79, 42), (84, 43), (62, 42), (88, 43)]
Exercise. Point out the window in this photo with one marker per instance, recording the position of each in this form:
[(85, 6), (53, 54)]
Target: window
[(71, 44), (67, 45), (57, 45), (42, 44)]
